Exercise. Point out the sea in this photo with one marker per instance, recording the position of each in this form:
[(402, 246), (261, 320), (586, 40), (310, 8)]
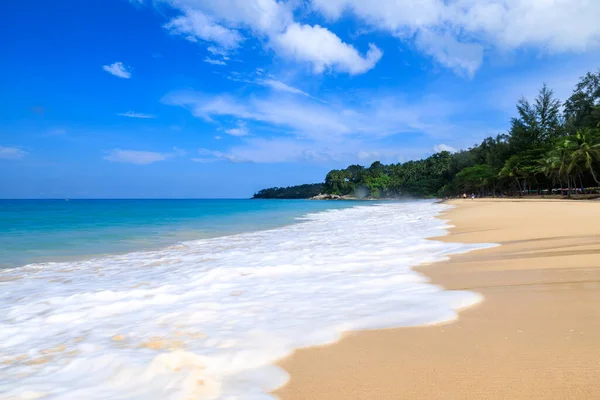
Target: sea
[(182, 299)]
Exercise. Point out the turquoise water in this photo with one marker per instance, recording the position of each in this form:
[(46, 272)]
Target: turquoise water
[(58, 230), (210, 318)]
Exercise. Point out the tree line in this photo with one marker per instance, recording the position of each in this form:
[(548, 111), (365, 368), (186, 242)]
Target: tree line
[(292, 192), (550, 147)]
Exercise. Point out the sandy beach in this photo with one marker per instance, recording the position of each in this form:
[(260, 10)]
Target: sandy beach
[(535, 336)]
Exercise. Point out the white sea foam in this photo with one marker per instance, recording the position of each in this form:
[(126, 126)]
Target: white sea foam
[(207, 319)]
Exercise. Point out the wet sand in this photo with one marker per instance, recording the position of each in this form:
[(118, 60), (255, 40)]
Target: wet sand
[(535, 336)]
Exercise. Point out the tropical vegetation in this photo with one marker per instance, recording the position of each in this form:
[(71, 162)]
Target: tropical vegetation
[(550, 147), (291, 192)]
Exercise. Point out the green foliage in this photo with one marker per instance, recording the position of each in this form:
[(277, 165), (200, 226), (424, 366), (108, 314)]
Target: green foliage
[(378, 184), (583, 150), (479, 177), (582, 109), (339, 182), (292, 192), (538, 123), (543, 148)]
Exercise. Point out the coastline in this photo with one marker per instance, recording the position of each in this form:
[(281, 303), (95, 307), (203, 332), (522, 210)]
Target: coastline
[(534, 335), (141, 315), (100, 228)]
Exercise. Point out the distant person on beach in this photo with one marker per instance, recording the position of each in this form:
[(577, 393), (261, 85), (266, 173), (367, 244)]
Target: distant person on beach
[(472, 196), (464, 196)]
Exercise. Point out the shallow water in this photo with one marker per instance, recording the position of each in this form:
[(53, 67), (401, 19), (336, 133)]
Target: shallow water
[(51, 230), (207, 319)]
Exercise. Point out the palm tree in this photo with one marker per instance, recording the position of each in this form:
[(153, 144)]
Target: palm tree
[(511, 170), (559, 158), (550, 167), (584, 151)]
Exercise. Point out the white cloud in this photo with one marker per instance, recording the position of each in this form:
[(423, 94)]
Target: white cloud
[(215, 51), (556, 26), (281, 87), (11, 153), (195, 25), (117, 69), (131, 114), (262, 16), (260, 150), (177, 152), (448, 51), (288, 128), (271, 83), (324, 50), (204, 160), (208, 156), (134, 156), (443, 147), (214, 62), (141, 157), (221, 23), (240, 130), (456, 32), (368, 155), (380, 116), (394, 15), (288, 150), (278, 111)]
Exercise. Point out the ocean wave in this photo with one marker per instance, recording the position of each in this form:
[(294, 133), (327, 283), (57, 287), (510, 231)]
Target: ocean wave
[(207, 319)]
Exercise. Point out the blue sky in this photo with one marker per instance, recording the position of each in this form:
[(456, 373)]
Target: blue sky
[(220, 98)]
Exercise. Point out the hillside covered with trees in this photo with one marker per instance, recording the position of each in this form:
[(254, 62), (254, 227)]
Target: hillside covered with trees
[(550, 146), (292, 192)]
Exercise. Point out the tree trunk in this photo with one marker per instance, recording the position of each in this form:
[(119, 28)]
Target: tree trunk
[(594, 176), (562, 192)]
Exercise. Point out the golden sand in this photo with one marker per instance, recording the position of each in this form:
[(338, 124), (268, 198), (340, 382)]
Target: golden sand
[(535, 336)]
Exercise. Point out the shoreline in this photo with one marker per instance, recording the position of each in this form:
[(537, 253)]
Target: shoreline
[(231, 333), (577, 197), (163, 237), (531, 337)]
